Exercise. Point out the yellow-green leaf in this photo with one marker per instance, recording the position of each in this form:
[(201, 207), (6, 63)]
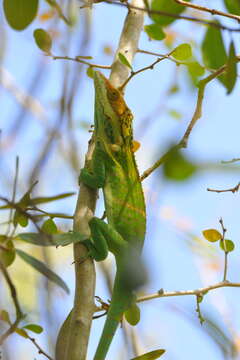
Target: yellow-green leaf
[(166, 6), (155, 31), (34, 328), (182, 52), (90, 72), (20, 13), (43, 40), (177, 167), (124, 60), (152, 355), (195, 69), (132, 315), (212, 235), (227, 245), (20, 218), (21, 332), (49, 227), (4, 316), (7, 251)]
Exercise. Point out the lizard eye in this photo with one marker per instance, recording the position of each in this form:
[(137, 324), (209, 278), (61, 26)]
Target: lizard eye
[(113, 95)]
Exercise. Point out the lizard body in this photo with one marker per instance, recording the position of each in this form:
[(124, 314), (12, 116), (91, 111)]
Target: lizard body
[(113, 168)]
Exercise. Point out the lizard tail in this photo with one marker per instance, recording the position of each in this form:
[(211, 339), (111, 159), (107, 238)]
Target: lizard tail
[(119, 304)]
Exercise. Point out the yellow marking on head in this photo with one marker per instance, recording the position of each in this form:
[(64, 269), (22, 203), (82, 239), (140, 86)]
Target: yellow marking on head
[(135, 145)]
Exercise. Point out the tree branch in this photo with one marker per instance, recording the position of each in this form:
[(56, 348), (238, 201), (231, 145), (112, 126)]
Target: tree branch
[(172, 15), (19, 313), (205, 9), (201, 291)]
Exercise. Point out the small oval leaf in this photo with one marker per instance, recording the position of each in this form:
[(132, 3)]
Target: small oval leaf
[(21, 332), (49, 227), (227, 245), (124, 60), (90, 72), (43, 40), (7, 252), (132, 315), (4, 316), (182, 52), (166, 6), (155, 31), (212, 235), (20, 13), (34, 328)]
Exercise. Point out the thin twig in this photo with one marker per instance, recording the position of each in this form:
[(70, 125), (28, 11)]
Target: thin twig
[(201, 291), (205, 9), (79, 60), (40, 350), (224, 230), (149, 67), (230, 161), (233, 190), (196, 116), (19, 313), (175, 16)]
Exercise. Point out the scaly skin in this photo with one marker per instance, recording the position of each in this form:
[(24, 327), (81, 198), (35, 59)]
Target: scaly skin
[(123, 197), (113, 168)]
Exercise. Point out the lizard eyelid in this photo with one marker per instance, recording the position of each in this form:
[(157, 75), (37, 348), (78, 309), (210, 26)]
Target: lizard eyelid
[(113, 95)]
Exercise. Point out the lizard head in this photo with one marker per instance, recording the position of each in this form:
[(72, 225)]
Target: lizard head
[(113, 119)]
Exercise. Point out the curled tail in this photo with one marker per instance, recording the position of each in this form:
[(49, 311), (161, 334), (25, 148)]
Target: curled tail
[(121, 300)]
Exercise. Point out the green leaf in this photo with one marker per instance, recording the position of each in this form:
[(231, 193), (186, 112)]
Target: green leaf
[(4, 316), (233, 6), (195, 69), (43, 269), (152, 355), (227, 245), (52, 240), (177, 167), (7, 256), (182, 52), (124, 60), (231, 74), (90, 72), (166, 6), (34, 328), (20, 13), (49, 227), (43, 40), (212, 235), (132, 315), (155, 31), (20, 218), (45, 199), (21, 332), (213, 50)]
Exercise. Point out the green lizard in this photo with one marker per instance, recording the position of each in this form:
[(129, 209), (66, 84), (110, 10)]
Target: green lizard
[(113, 168)]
